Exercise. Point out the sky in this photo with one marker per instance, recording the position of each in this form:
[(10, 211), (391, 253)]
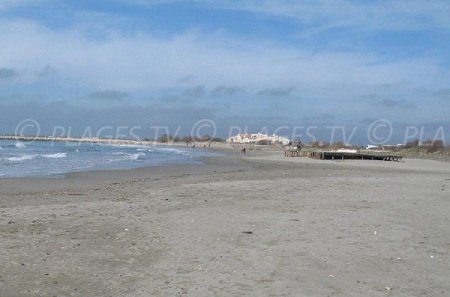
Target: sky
[(256, 65)]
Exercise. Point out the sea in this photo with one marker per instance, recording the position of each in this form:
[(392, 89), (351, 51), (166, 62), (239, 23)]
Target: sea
[(54, 159)]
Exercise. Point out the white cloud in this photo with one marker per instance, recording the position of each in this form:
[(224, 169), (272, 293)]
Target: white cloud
[(54, 62), (145, 64)]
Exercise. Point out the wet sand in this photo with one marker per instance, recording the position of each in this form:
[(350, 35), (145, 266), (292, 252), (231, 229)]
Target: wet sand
[(259, 225)]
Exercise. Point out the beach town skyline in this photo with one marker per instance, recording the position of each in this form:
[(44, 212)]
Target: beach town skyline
[(377, 132)]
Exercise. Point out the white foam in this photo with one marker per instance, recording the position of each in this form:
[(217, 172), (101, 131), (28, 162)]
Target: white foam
[(20, 145), (127, 156), (55, 156), (21, 158), (134, 157)]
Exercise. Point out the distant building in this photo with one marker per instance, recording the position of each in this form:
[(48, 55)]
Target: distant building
[(258, 138), (382, 147), (373, 147)]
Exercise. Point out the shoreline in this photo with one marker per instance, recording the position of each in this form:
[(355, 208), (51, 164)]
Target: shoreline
[(269, 155)]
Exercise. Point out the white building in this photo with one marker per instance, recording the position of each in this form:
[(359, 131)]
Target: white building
[(257, 138)]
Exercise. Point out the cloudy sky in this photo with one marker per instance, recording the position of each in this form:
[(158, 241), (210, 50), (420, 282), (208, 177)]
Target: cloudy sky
[(244, 63)]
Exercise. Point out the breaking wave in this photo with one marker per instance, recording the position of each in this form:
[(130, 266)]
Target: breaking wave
[(55, 156), (135, 157), (21, 158), (132, 157), (34, 156), (20, 145)]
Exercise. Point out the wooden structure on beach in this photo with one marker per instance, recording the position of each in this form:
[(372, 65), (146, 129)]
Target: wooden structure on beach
[(344, 155), (292, 153)]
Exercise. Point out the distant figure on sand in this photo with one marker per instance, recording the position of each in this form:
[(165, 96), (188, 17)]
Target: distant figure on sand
[(243, 151)]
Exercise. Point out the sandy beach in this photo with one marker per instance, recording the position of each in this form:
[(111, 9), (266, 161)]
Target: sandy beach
[(255, 225)]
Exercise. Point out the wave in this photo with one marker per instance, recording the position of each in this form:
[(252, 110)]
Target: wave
[(145, 150), (119, 153), (134, 157), (55, 156), (20, 145), (34, 156), (21, 158), (174, 151)]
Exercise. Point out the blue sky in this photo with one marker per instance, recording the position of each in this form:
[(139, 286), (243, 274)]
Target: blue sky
[(246, 63)]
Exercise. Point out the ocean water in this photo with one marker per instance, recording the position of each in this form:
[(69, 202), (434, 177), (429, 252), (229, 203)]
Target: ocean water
[(54, 159)]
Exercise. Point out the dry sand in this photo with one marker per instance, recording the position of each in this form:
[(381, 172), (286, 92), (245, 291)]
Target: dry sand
[(260, 225)]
